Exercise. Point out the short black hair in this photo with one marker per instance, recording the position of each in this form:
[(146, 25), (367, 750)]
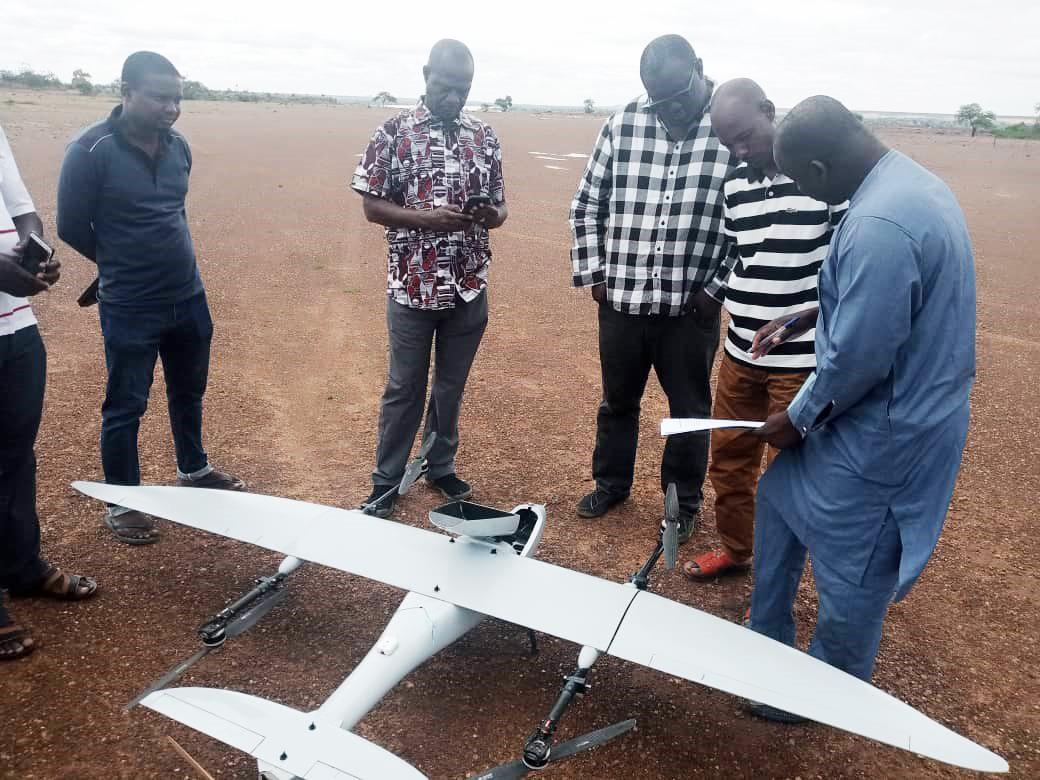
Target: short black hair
[(145, 63), (818, 128), (664, 50)]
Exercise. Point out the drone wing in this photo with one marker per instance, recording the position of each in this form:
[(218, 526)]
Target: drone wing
[(633, 625)]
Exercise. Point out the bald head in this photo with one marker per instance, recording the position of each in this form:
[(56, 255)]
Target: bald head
[(449, 53), (825, 148), (449, 76), (742, 117)]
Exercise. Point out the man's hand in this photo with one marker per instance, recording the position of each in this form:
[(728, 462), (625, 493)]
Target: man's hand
[(446, 219), (778, 331), (50, 272), (14, 280), (489, 216), (779, 431), (599, 292)]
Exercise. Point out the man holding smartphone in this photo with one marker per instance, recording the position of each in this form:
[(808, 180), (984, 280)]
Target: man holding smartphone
[(432, 175), (121, 205), (23, 372)]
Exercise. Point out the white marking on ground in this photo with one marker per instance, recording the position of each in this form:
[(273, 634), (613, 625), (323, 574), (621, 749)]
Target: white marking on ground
[(556, 167), (552, 159), (576, 154)]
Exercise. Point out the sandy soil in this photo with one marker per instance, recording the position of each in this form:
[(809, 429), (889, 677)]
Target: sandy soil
[(295, 280)]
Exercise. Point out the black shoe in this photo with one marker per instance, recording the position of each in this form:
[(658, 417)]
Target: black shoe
[(214, 480), (379, 504), (451, 486), (773, 714), (688, 522), (598, 503)]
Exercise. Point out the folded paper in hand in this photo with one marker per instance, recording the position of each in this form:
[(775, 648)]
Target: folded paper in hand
[(691, 424)]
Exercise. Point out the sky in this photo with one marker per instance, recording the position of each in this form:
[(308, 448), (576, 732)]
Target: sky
[(926, 56)]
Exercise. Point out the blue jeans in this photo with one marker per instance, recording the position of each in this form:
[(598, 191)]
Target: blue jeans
[(848, 626), (180, 334)]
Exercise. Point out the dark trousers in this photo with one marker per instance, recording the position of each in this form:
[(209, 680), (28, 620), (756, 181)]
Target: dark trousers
[(23, 374), (681, 351), (456, 333), (178, 333)]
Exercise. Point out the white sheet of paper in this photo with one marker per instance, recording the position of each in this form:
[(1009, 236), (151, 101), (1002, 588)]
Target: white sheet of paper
[(672, 425)]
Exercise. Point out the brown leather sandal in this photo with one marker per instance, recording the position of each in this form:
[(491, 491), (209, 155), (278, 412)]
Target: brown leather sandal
[(15, 642)]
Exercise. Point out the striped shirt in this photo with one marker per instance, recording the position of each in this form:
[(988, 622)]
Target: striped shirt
[(777, 240), (647, 216)]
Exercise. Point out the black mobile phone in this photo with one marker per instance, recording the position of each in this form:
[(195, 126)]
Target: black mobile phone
[(36, 251), (474, 202)]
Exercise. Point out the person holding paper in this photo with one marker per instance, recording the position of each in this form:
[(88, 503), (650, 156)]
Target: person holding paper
[(872, 443), (777, 239)]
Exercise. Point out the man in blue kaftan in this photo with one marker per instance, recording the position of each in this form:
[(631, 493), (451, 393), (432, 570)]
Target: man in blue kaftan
[(873, 441)]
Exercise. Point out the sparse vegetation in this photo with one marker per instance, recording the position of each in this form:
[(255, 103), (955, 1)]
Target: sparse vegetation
[(81, 82), (30, 79), (1020, 130), (505, 103), (590, 106), (972, 114), (384, 98)]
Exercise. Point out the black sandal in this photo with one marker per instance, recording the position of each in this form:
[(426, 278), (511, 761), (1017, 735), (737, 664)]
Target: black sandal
[(15, 642)]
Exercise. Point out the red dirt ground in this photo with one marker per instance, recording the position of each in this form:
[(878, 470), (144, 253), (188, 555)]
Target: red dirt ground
[(295, 280)]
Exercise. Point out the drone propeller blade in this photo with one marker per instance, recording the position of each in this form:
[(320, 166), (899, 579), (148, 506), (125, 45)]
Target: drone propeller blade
[(170, 676), (671, 527), (590, 740), (256, 612), (671, 503), (517, 769), (417, 465)]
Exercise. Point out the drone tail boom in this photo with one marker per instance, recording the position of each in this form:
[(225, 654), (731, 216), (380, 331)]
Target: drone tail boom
[(286, 742)]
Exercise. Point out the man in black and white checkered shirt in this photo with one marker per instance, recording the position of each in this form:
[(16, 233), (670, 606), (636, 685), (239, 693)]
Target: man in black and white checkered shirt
[(648, 233)]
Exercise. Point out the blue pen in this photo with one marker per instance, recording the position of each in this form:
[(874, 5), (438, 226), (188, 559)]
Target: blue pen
[(786, 326)]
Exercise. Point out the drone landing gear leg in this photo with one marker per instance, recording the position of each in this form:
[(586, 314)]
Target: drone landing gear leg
[(539, 744)]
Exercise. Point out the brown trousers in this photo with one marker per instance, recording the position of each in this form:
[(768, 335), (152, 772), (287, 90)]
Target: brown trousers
[(744, 393)]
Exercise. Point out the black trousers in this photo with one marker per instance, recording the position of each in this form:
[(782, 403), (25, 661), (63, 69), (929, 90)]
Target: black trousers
[(23, 372), (681, 351)]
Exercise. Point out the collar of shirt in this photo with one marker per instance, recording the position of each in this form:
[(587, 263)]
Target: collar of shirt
[(423, 115), (117, 123)]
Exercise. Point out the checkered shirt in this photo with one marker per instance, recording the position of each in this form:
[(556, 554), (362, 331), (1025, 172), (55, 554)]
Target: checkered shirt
[(647, 216)]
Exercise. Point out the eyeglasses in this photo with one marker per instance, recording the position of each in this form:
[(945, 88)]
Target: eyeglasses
[(680, 94)]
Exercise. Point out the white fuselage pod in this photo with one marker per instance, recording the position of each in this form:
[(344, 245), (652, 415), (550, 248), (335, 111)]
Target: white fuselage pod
[(420, 628)]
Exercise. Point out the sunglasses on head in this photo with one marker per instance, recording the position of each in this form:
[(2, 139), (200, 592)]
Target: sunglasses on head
[(688, 89)]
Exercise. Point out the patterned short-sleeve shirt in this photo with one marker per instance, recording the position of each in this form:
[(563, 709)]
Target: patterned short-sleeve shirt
[(421, 162)]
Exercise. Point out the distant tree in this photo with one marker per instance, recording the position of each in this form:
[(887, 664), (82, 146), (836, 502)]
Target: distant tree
[(505, 103), (590, 106), (384, 98), (858, 115), (81, 82), (195, 90), (485, 106), (1036, 108), (973, 115)]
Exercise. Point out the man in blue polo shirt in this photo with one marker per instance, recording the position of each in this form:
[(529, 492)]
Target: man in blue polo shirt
[(121, 205)]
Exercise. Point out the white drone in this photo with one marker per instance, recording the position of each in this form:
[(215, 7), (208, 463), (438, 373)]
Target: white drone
[(485, 567)]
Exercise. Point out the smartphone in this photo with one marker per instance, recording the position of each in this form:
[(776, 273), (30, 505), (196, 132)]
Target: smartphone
[(474, 202), (36, 251)]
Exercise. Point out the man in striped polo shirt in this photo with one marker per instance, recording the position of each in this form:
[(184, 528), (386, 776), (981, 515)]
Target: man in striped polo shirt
[(778, 238)]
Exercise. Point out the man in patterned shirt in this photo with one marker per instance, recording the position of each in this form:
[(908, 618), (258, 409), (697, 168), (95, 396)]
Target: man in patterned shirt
[(647, 224), (416, 175)]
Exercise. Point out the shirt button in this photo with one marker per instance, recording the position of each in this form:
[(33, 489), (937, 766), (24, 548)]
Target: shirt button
[(667, 197), (658, 249), (769, 193), (664, 222), (671, 173)]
